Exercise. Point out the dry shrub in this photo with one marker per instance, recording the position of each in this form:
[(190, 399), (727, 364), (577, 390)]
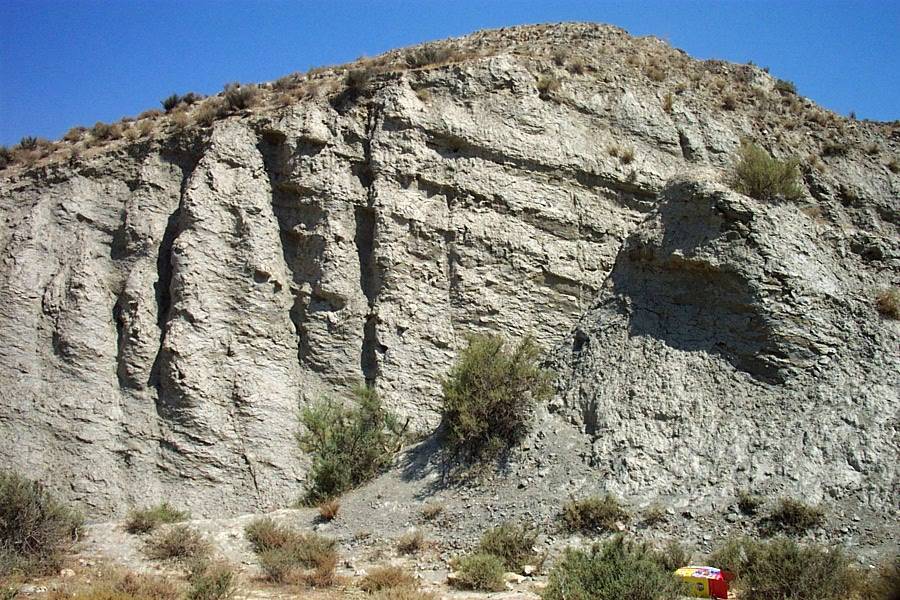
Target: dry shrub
[(893, 165), (328, 510), (209, 111), (386, 578), (654, 514), (887, 302), (793, 516), (74, 134), (178, 543), (145, 128), (425, 56), (132, 133), (668, 102), (547, 85), (35, 529), (431, 510), (240, 97), (594, 514), (404, 593), (655, 73), (626, 156), (180, 119), (290, 556), (144, 520), (513, 544), (116, 584), (729, 102), (783, 86), (748, 502), (411, 542)]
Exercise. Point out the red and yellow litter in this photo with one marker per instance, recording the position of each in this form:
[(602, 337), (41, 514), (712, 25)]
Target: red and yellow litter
[(704, 582)]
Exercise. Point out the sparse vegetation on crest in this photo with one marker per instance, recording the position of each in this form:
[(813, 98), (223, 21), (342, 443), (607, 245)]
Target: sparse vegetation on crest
[(349, 444), (240, 97), (35, 528), (613, 570), (758, 175), (783, 86), (489, 395)]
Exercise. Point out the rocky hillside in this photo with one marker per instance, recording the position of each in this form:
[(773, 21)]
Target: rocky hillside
[(172, 286)]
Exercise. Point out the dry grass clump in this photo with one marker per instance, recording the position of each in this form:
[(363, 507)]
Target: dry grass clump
[(404, 593), (432, 510), (386, 578), (758, 175), (887, 302), (749, 503), (117, 584), (290, 556), (178, 543), (512, 544), (240, 97), (668, 102), (105, 131), (893, 165), (411, 542), (654, 514), (328, 509), (793, 516), (594, 514), (547, 85), (729, 102), (783, 86), (36, 530), (144, 520), (655, 72), (75, 134), (425, 56), (480, 572)]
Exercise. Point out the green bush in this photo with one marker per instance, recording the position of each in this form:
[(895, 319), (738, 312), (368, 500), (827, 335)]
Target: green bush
[(781, 569), (6, 157), (488, 397), (611, 571), (428, 55), (35, 529), (783, 86), (358, 80), (290, 556), (793, 516), (211, 581), (511, 543), (349, 445), (482, 572), (758, 175), (594, 514), (29, 142), (145, 520), (171, 102), (178, 543)]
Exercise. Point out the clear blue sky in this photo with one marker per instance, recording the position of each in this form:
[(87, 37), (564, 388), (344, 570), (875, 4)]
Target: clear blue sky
[(74, 62)]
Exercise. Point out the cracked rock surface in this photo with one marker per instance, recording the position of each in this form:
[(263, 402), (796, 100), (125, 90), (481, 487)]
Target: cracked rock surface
[(166, 303)]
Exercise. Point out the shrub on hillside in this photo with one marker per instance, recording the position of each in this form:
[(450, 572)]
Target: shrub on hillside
[(169, 103), (411, 542), (178, 543), (144, 520), (513, 544), (793, 516), (211, 581), (6, 157), (758, 175), (748, 502), (481, 572), (386, 578), (888, 303), (35, 528), (358, 80), (594, 514), (781, 568), (117, 584), (349, 444), (610, 571), (427, 55), (290, 556), (489, 395), (783, 86)]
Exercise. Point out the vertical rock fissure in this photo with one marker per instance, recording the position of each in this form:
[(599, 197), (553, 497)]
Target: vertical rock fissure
[(369, 277)]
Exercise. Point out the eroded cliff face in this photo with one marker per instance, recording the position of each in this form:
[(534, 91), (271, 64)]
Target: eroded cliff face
[(165, 304)]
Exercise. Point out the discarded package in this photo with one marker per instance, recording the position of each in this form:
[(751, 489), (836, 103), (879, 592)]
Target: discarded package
[(704, 582)]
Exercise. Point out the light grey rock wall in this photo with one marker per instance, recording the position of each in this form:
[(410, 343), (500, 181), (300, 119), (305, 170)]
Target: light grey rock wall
[(165, 305)]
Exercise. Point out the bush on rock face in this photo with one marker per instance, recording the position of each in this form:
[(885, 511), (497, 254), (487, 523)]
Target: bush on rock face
[(349, 444), (489, 395), (758, 175), (35, 529)]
